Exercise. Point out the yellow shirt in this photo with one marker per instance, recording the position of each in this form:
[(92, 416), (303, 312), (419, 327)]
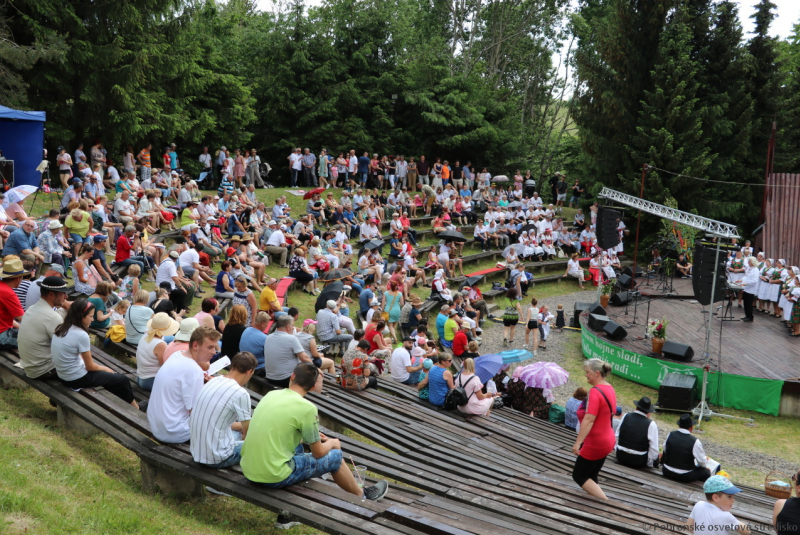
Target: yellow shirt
[(81, 228), (267, 296)]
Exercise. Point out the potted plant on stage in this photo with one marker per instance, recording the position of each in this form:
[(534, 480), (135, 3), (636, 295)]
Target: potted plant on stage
[(657, 331), (605, 291)]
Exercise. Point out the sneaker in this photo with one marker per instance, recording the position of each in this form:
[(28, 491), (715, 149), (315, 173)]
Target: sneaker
[(286, 521), (505, 342), (377, 491), (524, 346)]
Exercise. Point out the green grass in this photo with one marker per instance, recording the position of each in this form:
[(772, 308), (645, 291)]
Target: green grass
[(57, 482)]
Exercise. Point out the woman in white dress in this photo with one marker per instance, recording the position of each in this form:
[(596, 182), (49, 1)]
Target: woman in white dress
[(574, 269), (605, 265), (439, 287), (786, 292), (546, 241), (779, 275), (762, 304)]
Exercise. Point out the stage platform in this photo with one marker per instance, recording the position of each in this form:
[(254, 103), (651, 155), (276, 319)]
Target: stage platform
[(752, 364)]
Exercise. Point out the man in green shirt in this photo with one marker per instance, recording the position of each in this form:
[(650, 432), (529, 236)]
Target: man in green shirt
[(283, 421)]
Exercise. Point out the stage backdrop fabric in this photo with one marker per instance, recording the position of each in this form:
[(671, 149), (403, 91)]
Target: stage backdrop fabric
[(724, 389), (22, 140)]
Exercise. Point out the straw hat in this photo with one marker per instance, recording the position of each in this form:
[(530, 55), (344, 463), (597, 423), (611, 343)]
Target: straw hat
[(12, 269), (187, 327), (164, 324)]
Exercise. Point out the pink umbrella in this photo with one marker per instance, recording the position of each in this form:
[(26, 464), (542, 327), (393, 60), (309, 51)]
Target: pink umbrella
[(544, 375)]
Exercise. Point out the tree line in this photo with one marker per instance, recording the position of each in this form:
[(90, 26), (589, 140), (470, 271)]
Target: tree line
[(672, 83)]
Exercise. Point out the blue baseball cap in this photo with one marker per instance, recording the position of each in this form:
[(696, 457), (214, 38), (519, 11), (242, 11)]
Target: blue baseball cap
[(720, 484), (100, 237)]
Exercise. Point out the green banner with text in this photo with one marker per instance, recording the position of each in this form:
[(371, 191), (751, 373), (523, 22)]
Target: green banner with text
[(724, 389)]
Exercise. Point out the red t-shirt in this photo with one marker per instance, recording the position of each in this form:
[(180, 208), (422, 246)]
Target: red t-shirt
[(166, 159), (124, 247), (11, 307), (460, 343), (601, 440), (370, 337)]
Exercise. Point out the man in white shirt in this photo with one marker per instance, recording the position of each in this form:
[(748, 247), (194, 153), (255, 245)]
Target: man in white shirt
[(177, 386), (295, 165), (402, 171), (221, 415), (190, 263), (368, 230), (637, 437), (403, 371), (684, 458), (480, 234), (123, 209), (536, 200), (205, 158), (276, 244)]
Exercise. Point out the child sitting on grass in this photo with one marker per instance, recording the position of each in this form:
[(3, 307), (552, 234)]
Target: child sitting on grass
[(713, 515)]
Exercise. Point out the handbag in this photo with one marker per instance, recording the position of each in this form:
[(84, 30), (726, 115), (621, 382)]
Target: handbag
[(385, 315)]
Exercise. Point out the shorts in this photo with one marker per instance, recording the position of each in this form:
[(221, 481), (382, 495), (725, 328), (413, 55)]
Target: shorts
[(584, 470), (533, 325), (562, 197), (317, 361), (510, 322), (307, 467)]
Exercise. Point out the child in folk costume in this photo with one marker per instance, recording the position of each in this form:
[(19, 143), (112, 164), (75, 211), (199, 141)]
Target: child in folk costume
[(747, 251), (613, 260), (561, 320), (439, 287), (544, 325), (605, 265), (764, 285), (547, 244)]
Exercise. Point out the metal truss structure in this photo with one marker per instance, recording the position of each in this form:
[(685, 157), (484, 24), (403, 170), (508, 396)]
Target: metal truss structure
[(717, 228)]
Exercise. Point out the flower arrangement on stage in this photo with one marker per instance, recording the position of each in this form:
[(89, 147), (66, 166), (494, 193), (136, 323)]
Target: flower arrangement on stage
[(657, 328), (608, 287)]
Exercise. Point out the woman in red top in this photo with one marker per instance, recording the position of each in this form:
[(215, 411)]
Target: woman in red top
[(596, 439), (378, 345)]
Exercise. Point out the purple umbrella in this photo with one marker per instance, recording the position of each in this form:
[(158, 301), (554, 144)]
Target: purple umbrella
[(487, 366), (545, 375)]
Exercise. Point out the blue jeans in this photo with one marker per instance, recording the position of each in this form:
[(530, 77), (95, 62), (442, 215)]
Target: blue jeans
[(413, 378), (364, 176), (307, 467), (77, 239), (295, 172), (445, 343), (133, 261), (234, 458), (146, 384), (282, 312), (9, 338)]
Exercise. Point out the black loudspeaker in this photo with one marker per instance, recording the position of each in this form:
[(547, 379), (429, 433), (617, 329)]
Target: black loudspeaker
[(614, 330), (625, 281), (629, 271), (677, 351), (597, 309), (580, 307), (703, 274), (678, 392), (598, 321), (607, 233), (621, 298)]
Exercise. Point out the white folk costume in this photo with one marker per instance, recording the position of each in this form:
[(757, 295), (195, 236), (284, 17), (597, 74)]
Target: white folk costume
[(763, 284)]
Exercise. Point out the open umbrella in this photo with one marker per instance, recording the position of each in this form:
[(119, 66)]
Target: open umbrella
[(546, 375), (313, 192), (373, 244), (515, 355), (487, 366), (18, 194), (515, 204), (518, 247), (500, 178), (336, 274), (529, 226), (452, 235), (331, 291), (471, 281)]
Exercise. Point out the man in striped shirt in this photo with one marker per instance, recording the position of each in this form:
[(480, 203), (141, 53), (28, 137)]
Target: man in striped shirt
[(221, 415), (144, 162)]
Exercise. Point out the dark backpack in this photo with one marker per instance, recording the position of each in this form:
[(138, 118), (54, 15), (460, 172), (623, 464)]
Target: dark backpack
[(457, 397)]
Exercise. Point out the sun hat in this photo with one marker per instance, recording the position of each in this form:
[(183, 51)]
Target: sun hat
[(719, 484), (54, 224), (309, 321), (164, 324), (54, 284), (187, 327), (417, 352), (12, 269)]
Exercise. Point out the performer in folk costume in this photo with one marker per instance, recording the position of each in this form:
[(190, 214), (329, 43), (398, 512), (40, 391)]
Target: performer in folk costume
[(747, 251), (764, 285), (736, 272), (785, 302), (779, 275), (605, 264)]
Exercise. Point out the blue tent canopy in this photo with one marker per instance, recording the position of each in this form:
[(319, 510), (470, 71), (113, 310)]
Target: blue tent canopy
[(22, 140)]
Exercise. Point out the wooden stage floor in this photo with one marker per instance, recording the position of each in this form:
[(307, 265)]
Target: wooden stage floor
[(761, 348)]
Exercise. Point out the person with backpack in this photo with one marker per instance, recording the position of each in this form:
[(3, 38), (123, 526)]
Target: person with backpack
[(477, 401), (596, 438), (439, 381)]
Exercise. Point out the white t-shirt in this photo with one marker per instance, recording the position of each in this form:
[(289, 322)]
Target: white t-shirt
[(66, 352), (113, 173), (166, 270), (295, 160), (122, 206), (708, 518), (221, 403), (277, 239), (177, 385), (188, 258), (400, 359), (205, 159)]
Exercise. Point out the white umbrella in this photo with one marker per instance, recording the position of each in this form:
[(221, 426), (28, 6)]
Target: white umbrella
[(18, 194)]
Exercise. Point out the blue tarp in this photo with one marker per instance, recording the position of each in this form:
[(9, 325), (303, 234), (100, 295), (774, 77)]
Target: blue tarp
[(22, 140)]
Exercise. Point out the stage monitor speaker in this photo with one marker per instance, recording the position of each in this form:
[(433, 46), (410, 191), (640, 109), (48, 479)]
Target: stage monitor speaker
[(607, 233), (614, 330), (580, 307), (625, 281), (677, 351), (598, 321), (703, 275), (597, 309), (621, 298), (678, 392), (629, 271)]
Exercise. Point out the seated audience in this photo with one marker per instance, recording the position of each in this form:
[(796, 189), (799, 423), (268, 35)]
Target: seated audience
[(439, 381), (285, 352), (356, 370), (477, 401), (403, 369), (253, 340), (11, 312), (136, 317), (150, 352), (232, 337), (37, 326), (637, 437), (684, 458), (571, 408)]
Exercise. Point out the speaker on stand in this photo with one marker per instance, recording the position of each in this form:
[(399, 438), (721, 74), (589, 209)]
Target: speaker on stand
[(607, 233)]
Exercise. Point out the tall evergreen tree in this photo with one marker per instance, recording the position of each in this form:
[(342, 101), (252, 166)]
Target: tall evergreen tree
[(670, 134)]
